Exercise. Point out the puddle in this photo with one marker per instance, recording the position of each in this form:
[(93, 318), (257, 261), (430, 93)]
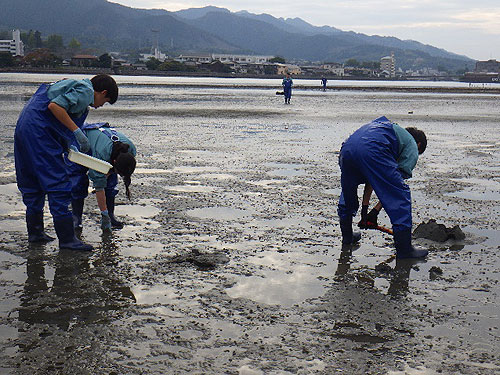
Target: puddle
[(476, 195), (150, 295), (219, 213), (151, 171), (142, 249), (285, 282), (136, 211), (217, 176), (192, 188), (268, 183), (286, 170), (191, 169)]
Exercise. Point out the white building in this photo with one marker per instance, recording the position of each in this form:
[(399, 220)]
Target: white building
[(291, 69), (388, 64), (336, 68), (199, 59), (241, 58), (15, 46)]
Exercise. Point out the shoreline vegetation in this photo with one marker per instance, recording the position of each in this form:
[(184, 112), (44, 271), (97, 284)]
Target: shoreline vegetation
[(473, 88)]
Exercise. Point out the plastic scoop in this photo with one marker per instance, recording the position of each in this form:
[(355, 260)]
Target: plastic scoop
[(89, 161)]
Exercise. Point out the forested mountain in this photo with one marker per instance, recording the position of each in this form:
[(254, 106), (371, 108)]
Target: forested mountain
[(112, 27)]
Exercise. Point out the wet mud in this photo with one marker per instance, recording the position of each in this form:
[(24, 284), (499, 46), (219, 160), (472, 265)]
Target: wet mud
[(438, 232), (231, 262)]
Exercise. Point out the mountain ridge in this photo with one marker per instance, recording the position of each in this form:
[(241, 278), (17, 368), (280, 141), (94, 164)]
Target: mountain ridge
[(111, 26)]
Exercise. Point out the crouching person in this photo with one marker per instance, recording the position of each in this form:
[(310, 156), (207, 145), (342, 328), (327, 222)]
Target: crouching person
[(114, 147), (381, 154)]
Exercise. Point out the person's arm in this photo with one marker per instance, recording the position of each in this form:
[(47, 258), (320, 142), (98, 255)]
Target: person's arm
[(101, 199), (62, 115), (367, 193)]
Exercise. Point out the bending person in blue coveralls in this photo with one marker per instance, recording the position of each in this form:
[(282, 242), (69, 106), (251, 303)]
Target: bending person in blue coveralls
[(381, 154), (287, 88), (48, 124), (114, 147)]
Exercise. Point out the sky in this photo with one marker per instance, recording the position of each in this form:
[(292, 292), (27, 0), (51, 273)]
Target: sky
[(465, 27)]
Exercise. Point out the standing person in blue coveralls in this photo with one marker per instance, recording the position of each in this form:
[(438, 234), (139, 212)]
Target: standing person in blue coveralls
[(47, 125), (114, 147), (323, 82), (381, 154), (287, 88)]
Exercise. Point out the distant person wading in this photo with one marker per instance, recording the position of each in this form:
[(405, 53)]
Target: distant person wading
[(287, 88)]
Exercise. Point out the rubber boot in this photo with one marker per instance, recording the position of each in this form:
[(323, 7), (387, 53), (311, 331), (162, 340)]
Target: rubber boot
[(404, 248), (348, 236), (66, 234), (34, 223), (110, 204), (77, 208)]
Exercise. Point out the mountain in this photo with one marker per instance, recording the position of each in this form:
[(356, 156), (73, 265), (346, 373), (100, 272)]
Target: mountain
[(296, 39), (109, 26)]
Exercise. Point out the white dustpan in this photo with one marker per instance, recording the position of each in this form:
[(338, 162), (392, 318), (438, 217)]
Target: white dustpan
[(89, 161)]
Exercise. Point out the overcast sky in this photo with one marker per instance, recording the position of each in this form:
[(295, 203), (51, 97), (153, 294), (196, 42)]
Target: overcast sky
[(466, 27)]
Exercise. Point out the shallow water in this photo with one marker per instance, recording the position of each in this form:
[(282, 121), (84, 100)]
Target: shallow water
[(230, 260)]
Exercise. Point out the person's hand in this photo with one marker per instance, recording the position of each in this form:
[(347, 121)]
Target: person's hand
[(371, 218), (105, 221), (362, 222), (82, 140), (368, 220)]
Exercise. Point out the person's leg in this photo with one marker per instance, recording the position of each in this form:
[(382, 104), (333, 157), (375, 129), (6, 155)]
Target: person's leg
[(63, 221), (34, 217), (28, 184), (387, 182), (79, 191), (110, 192), (348, 202)]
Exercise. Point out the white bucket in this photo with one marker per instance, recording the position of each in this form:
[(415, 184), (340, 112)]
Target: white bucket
[(89, 161)]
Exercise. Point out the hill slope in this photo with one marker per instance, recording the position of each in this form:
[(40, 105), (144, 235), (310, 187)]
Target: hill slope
[(110, 26)]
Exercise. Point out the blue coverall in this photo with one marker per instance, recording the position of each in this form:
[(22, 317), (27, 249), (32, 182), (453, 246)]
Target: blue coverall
[(287, 88), (379, 155), (39, 143)]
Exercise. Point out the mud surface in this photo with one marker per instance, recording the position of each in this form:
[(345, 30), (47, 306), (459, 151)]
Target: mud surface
[(438, 232), (231, 263)]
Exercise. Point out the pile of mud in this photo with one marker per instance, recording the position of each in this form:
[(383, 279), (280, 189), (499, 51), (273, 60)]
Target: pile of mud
[(438, 232)]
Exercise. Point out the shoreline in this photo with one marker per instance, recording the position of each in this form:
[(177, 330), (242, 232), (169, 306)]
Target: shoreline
[(477, 88)]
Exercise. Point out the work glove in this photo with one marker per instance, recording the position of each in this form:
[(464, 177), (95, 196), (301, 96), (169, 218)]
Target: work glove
[(368, 220), (82, 140), (105, 221)]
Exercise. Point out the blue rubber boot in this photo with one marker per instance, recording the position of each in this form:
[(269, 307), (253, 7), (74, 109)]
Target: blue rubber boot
[(77, 209), (66, 234), (404, 248), (36, 233), (348, 236), (110, 204)]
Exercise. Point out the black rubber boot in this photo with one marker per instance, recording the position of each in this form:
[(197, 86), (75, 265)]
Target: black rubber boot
[(66, 234), (77, 208), (110, 204), (348, 236), (404, 248), (34, 223)]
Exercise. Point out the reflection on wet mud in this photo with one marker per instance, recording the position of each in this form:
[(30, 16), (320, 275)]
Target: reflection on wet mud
[(82, 291), (399, 276)]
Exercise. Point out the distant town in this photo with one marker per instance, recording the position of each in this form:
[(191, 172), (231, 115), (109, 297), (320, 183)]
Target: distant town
[(27, 51)]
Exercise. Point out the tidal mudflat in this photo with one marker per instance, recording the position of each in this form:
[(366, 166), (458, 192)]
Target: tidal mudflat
[(231, 263)]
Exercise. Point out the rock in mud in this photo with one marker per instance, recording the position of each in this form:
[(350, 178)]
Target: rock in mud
[(438, 232)]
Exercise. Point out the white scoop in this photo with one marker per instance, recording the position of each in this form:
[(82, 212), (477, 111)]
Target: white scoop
[(89, 161)]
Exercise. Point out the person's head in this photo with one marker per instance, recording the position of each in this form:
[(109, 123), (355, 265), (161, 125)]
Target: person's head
[(419, 137), (123, 163), (105, 90)]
